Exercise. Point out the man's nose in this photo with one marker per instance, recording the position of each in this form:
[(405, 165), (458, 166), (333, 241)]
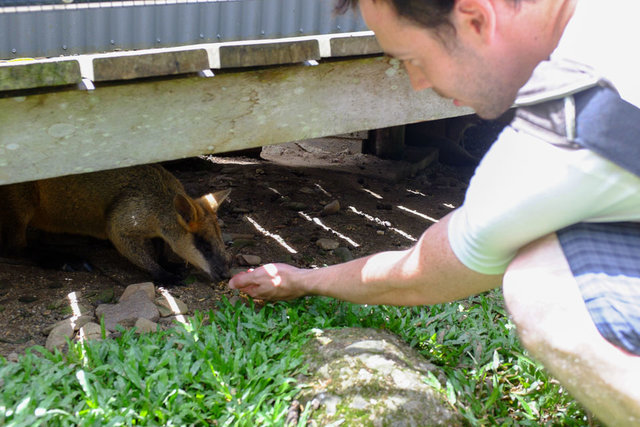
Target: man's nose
[(416, 77)]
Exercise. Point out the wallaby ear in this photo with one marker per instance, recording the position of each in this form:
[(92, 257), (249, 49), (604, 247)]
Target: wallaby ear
[(215, 199), (187, 212)]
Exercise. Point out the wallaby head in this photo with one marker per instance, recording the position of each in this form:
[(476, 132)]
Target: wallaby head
[(201, 244)]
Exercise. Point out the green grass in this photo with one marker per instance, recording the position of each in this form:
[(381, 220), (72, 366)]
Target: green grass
[(238, 368)]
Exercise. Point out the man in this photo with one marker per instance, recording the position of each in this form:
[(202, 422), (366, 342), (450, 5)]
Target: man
[(551, 211)]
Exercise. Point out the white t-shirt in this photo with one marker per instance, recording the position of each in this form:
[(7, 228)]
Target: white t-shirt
[(525, 188)]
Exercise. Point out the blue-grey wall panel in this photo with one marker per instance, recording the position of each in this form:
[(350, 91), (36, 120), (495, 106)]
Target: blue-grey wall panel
[(63, 29)]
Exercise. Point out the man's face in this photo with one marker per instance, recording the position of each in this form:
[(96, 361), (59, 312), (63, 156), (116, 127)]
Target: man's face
[(452, 69)]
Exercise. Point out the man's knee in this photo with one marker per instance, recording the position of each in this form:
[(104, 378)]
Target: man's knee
[(535, 292), (554, 325)]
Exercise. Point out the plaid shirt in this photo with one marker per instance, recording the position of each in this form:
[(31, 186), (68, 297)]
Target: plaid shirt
[(605, 260)]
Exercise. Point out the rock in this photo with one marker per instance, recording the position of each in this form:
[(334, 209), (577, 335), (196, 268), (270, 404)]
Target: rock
[(327, 244), (105, 296), (241, 243), (371, 377), (247, 236), (148, 288), (80, 308), (295, 206), (243, 259), (344, 254), (171, 307), (12, 357), (76, 322), (27, 299), (57, 339), (144, 326), (92, 331), (330, 208), (125, 312), (306, 190)]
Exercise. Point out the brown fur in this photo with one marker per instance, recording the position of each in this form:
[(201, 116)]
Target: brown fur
[(129, 206)]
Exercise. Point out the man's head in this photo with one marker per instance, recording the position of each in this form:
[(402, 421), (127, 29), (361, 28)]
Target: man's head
[(432, 14), (476, 52)]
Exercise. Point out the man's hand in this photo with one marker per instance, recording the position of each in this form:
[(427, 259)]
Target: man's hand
[(269, 282), (427, 273)]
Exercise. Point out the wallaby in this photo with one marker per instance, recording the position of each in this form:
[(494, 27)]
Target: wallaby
[(131, 207)]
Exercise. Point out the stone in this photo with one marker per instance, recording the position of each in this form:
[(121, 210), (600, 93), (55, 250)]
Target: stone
[(330, 208), (371, 377), (148, 288), (295, 206), (57, 339), (77, 309), (92, 331), (105, 296), (248, 260), (171, 307), (76, 322), (241, 243), (125, 312), (343, 253), (27, 299), (306, 190), (327, 244), (144, 326)]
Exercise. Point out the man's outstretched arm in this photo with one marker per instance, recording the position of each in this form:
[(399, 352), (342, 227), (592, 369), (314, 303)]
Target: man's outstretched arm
[(427, 273)]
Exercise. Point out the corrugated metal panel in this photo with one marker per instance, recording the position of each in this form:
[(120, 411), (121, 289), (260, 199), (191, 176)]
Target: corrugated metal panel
[(52, 30)]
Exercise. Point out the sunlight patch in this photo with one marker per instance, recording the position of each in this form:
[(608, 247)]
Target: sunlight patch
[(385, 224), (376, 195), (275, 237), (416, 192), (173, 305), (230, 160), (325, 192), (416, 213), (317, 221)]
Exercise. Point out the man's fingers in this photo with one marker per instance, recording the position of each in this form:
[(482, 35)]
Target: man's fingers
[(241, 280)]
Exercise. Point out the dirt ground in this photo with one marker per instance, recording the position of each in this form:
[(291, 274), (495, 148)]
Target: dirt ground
[(274, 212)]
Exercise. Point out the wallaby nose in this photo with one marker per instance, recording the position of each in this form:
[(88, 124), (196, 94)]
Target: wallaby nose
[(220, 270)]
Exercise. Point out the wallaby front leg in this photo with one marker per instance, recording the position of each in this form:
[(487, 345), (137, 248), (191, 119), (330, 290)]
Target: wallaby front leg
[(141, 252)]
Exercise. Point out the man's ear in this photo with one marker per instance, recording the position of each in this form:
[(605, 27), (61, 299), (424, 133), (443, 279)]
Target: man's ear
[(475, 19)]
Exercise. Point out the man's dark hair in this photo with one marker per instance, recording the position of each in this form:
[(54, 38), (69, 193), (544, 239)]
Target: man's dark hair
[(424, 13), (430, 14)]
